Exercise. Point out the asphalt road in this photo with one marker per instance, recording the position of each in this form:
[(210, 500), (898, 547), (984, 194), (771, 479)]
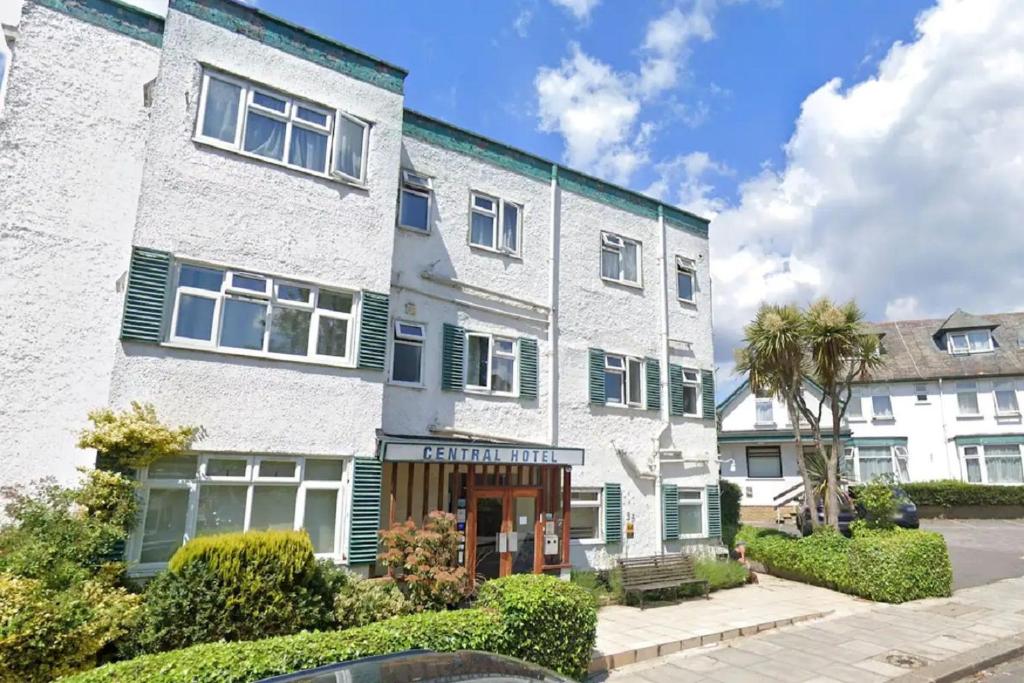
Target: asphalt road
[(982, 550), (1004, 673)]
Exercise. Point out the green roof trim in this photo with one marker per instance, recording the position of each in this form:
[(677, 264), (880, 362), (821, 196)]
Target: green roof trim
[(868, 441), (295, 40), (114, 16), (774, 436), (989, 440), (442, 134)]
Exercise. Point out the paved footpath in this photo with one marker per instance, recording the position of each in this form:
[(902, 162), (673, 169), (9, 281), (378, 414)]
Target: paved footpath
[(877, 644)]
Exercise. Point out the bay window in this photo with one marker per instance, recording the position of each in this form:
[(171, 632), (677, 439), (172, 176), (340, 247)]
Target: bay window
[(874, 462), (255, 314), (491, 363), (993, 464), (495, 224), (407, 353), (620, 259), (691, 513), (586, 514)]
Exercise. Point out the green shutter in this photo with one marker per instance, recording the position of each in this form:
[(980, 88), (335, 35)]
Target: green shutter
[(653, 369), (669, 512), (707, 388), (527, 368), (453, 350), (612, 513), (373, 330), (365, 517), (597, 376), (148, 278), (675, 389), (714, 513)]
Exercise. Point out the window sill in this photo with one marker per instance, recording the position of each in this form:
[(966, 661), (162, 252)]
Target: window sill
[(689, 303), (854, 419), (623, 406), (224, 147), (407, 385), (476, 391), (922, 403), (241, 353), (1008, 416), (765, 479), (497, 252), (979, 416), (883, 420), (623, 283), (415, 231), (765, 425)]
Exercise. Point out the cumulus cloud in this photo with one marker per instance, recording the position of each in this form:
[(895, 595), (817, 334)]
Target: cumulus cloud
[(685, 181), (521, 24), (580, 9)]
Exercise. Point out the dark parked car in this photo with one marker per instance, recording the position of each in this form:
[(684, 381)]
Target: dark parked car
[(905, 515), (426, 666)]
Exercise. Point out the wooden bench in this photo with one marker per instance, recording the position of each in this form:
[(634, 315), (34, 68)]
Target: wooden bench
[(641, 574)]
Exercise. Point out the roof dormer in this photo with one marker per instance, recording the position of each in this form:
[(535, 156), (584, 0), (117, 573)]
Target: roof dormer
[(963, 333)]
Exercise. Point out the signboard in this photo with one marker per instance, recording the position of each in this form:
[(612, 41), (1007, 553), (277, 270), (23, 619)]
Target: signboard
[(483, 453)]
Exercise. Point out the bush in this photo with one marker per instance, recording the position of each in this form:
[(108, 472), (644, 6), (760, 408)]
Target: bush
[(426, 562), (721, 574), (878, 503), (894, 565), (239, 586), (546, 621), (45, 633), (730, 495), (359, 602), (950, 493), (135, 438)]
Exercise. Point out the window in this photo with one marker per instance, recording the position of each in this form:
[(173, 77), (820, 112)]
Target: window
[(971, 341), (5, 67), (495, 224), (491, 363), (407, 353), (691, 513), (586, 514), (414, 202), (874, 462), (614, 379), (1006, 399), (186, 496), (764, 407), (634, 382), (764, 462), (902, 458), (691, 391), (921, 393), (855, 408), (967, 399), (994, 464), (685, 279), (261, 122), (881, 407), (620, 259), (258, 315)]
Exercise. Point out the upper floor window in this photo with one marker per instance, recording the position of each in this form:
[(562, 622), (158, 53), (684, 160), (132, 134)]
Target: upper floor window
[(414, 202), (491, 363), (691, 392), (1006, 399), (407, 353), (259, 315), (264, 123), (495, 224), (764, 410), (881, 407), (921, 393), (967, 399), (971, 341), (855, 408), (620, 259), (686, 278)]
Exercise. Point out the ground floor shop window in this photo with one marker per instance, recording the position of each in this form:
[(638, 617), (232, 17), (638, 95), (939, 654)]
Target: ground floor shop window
[(191, 496), (586, 514), (994, 464), (691, 513)]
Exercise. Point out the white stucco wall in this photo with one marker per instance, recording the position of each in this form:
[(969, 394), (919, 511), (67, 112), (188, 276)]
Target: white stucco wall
[(71, 151)]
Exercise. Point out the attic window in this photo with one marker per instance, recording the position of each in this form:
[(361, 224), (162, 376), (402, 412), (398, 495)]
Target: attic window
[(969, 341)]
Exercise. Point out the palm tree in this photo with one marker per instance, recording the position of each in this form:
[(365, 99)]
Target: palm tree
[(774, 361)]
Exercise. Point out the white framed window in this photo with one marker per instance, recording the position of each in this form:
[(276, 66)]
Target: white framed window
[(764, 462), (491, 363), (764, 410), (1005, 396), (261, 122), (874, 462), (686, 279), (251, 314), (967, 399), (692, 523), (407, 353), (970, 341), (414, 202), (921, 393), (993, 464), (189, 496), (495, 224), (881, 407), (691, 392), (624, 380), (586, 507), (855, 408), (902, 456), (635, 382), (620, 259)]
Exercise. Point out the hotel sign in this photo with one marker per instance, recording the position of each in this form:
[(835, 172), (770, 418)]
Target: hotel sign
[(460, 452)]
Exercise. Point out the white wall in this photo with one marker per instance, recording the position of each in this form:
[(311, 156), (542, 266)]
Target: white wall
[(760, 490), (73, 138)]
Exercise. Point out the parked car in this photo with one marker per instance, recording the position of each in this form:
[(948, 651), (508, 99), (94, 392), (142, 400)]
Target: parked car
[(849, 510), (425, 666)]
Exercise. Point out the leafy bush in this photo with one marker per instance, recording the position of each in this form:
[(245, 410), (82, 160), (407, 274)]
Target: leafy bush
[(887, 565), (239, 586), (135, 438), (426, 562), (950, 493), (730, 495), (598, 584), (546, 621), (878, 503), (721, 574), (45, 633), (359, 601)]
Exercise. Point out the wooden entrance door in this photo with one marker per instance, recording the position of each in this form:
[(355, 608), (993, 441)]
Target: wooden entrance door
[(504, 534)]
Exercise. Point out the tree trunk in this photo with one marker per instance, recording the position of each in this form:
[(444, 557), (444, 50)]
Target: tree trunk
[(832, 481), (809, 498)]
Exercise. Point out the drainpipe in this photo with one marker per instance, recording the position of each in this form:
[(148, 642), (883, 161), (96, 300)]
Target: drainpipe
[(555, 248), (665, 414), (945, 437)]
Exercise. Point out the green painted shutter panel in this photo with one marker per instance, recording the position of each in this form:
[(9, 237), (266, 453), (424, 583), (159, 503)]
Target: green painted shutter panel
[(707, 388), (453, 351), (144, 300), (527, 367), (612, 513), (597, 376), (675, 389), (714, 512), (653, 369), (365, 518), (669, 512), (373, 330)]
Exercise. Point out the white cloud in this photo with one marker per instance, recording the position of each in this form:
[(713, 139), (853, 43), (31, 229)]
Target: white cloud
[(902, 190), (667, 41), (580, 9), (684, 181), (521, 24)]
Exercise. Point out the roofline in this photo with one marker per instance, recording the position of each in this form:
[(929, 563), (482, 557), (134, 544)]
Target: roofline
[(746, 384), (112, 15), (935, 378)]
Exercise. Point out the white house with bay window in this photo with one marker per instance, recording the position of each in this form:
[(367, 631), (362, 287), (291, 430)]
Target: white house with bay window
[(372, 313), (945, 404)]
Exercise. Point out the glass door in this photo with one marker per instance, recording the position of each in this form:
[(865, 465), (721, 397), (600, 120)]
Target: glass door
[(523, 548), (489, 510)]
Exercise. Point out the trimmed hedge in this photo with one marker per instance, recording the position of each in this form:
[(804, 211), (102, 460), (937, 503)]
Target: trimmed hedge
[(952, 493), (730, 496), (888, 566)]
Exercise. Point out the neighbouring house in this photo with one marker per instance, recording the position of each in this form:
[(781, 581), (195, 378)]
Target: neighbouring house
[(944, 405), (373, 313)]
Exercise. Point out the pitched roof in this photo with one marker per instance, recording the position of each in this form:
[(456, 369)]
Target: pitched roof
[(916, 349)]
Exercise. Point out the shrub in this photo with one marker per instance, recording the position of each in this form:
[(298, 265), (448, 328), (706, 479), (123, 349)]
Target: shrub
[(546, 621), (950, 493), (878, 503), (135, 437), (730, 495), (359, 602), (45, 633), (425, 561), (237, 586), (721, 574)]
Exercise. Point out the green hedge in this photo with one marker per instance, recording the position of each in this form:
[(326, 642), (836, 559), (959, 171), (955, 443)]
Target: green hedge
[(951, 493), (730, 496), (889, 566), (538, 618)]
